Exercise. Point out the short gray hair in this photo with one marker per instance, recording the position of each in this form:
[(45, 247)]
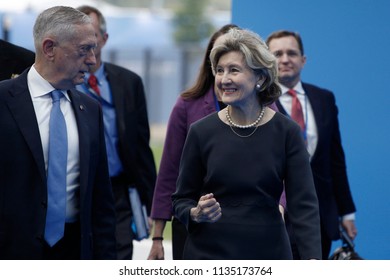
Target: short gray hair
[(58, 22)]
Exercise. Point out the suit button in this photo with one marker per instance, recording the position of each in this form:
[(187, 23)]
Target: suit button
[(44, 204)]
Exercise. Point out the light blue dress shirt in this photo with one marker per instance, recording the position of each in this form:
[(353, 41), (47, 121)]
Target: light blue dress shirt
[(109, 118)]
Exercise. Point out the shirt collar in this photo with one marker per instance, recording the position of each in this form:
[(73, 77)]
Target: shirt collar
[(99, 74), (38, 86), (298, 88)]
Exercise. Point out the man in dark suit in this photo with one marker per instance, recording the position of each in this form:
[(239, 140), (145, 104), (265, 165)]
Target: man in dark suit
[(13, 60), (84, 224), (131, 163), (320, 128)]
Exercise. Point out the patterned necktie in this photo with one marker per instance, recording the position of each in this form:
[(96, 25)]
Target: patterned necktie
[(296, 109), (92, 82), (56, 172)]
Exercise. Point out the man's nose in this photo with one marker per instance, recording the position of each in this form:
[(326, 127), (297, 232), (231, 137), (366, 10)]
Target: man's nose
[(284, 57), (91, 58)]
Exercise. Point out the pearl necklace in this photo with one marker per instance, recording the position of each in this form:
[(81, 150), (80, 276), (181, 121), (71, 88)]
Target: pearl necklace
[(233, 124), (244, 136)]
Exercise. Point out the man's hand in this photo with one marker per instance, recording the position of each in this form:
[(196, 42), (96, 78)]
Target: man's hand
[(350, 228)]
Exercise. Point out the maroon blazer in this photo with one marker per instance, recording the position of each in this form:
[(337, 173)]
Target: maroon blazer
[(184, 113)]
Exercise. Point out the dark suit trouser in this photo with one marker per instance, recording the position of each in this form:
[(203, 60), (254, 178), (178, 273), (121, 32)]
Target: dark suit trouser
[(179, 236), (68, 248), (326, 243), (124, 234)]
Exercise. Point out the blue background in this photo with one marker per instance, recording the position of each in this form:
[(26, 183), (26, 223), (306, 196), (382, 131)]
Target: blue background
[(347, 44)]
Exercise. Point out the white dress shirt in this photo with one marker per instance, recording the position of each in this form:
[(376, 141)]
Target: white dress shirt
[(40, 90), (308, 115)]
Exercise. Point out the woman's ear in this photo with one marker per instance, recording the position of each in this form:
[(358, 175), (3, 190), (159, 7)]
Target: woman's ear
[(260, 83)]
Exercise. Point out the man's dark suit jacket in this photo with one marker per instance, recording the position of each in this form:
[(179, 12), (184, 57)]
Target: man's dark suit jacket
[(23, 189), (328, 162), (133, 130), (14, 59)]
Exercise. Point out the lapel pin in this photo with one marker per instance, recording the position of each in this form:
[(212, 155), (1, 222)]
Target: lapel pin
[(81, 107)]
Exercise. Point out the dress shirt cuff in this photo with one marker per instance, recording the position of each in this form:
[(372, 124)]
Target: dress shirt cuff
[(348, 217)]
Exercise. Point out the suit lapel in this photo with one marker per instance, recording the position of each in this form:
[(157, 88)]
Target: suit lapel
[(280, 107), (318, 113), (316, 105), (20, 105), (80, 110), (117, 95)]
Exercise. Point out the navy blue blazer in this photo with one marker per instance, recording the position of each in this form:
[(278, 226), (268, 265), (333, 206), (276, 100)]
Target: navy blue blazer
[(14, 59), (328, 162), (23, 189), (133, 130)]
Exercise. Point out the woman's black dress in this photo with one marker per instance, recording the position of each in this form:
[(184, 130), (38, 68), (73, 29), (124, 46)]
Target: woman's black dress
[(246, 176)]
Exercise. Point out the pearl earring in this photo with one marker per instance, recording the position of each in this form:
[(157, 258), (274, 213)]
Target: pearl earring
[(258, 86)]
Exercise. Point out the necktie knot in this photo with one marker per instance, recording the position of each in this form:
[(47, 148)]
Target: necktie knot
[(296, 109), (93, 83), (92, 80), (292, 92), (56, 95)]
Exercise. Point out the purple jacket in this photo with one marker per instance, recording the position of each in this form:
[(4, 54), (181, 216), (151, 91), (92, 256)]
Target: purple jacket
[(184, 113)]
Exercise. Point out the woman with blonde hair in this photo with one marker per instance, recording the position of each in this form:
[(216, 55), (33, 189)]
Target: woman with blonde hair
[(236, 162)]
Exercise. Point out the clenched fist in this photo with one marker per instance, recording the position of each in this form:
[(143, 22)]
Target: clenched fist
[(208, 210)]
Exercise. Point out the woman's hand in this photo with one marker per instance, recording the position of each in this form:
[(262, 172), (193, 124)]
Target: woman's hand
[(208, 210), (157, 250)]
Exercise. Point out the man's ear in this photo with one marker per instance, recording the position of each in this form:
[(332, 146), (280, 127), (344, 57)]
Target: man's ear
[(48, 46), (303, 60), (105, 37)]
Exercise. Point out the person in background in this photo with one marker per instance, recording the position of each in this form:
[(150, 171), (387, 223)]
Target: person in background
[(55, 194), (237, 162), (14, 60), (130, 158), (320, 129), (193, 104)]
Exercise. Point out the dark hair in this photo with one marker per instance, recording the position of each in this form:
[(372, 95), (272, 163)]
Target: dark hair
[(286, 33), (205, 79)]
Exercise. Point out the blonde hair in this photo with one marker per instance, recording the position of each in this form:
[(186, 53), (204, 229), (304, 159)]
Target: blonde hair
[(257, 57)]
